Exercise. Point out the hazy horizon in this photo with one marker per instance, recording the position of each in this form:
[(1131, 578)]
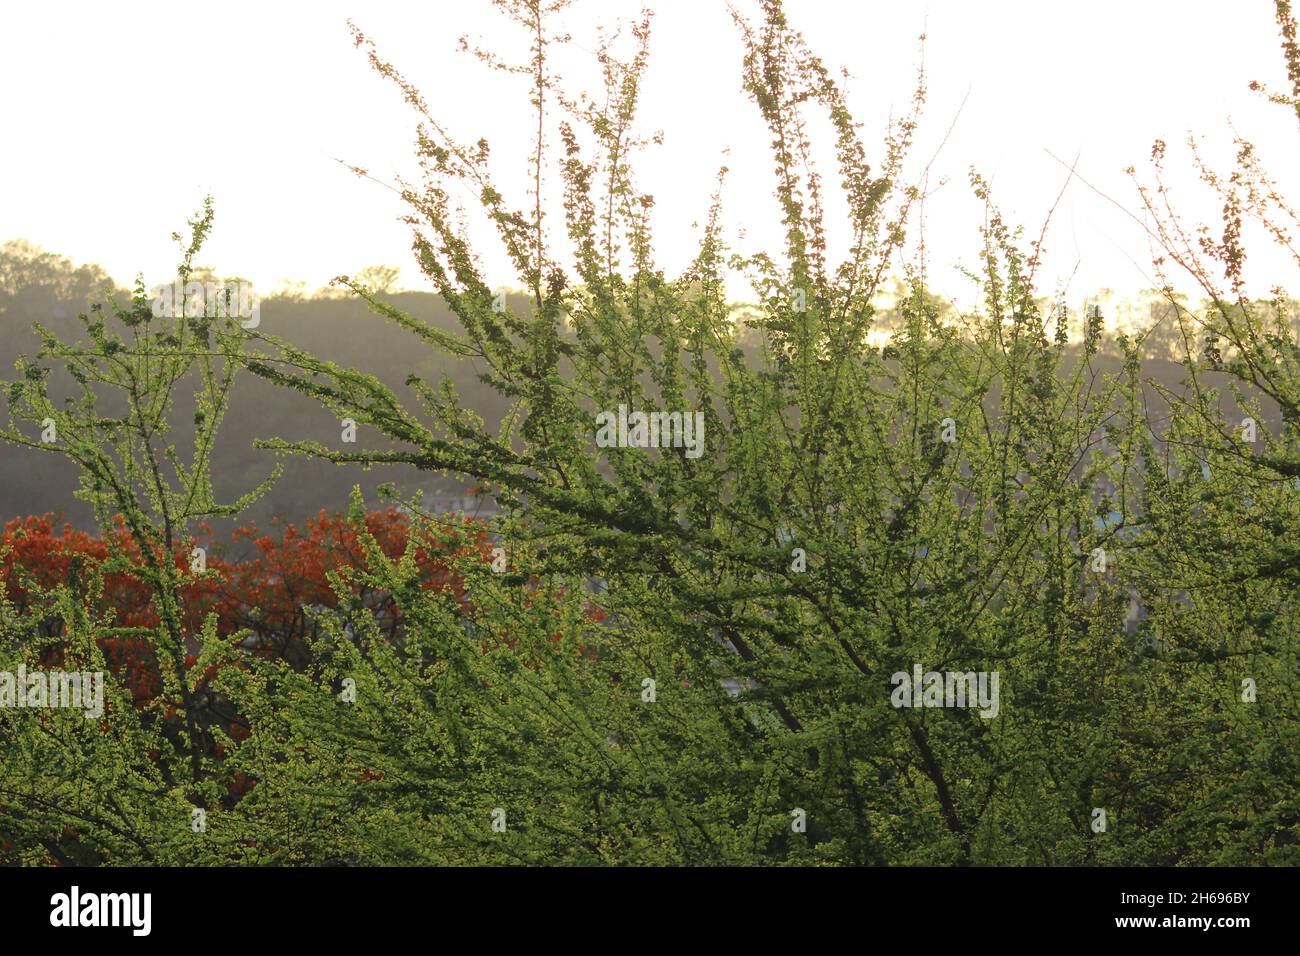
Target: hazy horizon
[(109, 170)]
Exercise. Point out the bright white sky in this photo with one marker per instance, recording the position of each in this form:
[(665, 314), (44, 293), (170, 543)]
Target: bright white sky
[(118, 119)]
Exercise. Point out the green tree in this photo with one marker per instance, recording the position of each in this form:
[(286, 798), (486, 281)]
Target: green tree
[(123, 788), (949, 497)]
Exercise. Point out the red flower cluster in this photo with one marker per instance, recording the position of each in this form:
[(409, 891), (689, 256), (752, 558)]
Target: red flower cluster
[(268, 593)]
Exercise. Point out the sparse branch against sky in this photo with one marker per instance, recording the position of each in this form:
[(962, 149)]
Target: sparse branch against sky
[(254, 104)]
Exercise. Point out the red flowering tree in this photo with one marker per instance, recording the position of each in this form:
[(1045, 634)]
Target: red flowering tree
[(268, 600)]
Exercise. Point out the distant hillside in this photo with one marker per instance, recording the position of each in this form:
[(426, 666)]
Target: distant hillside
[(40, 287)]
